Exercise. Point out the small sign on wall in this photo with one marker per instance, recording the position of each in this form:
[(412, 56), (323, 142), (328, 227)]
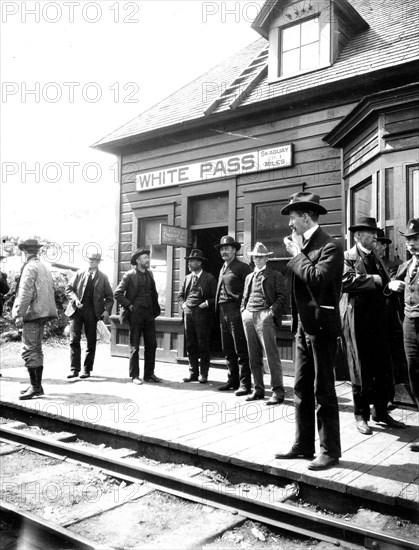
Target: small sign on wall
[(173, 236)]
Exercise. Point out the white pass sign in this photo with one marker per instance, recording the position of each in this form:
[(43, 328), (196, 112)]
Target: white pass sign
[(252, 161)]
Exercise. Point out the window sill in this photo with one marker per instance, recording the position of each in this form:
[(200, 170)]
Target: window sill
[(300, 73)]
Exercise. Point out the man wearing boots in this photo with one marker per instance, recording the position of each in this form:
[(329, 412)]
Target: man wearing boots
[(196, 302), (227, 302), (90, 298), (34, 305)]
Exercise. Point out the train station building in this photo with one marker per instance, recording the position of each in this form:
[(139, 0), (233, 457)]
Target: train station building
[(326, 100)]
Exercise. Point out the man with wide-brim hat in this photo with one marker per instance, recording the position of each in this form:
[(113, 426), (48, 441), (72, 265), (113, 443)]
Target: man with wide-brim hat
[(264, 301), (406, 281), (90, 299), (4, 286), (196, 304), (34, 305), (316, 271), (137, 295), (366, 321), (227, 303)]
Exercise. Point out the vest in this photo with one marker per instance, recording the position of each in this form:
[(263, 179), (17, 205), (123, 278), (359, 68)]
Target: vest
[(88, 293), (256, 300)]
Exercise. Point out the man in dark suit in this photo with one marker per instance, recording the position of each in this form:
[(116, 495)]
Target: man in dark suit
[(90, 298), (196, 302), (366, 319), (263, 303), (227, 302), (316, 268), (407, 281), (137, 294)]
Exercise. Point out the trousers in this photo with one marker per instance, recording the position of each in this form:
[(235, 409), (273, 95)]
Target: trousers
[(32, 334), (144, 324), (234, 345), (84, 317), (411, 347), (260, 332), (197, 333)]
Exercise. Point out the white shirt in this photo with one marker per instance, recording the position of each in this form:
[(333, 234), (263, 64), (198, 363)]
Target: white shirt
[(307, 234)]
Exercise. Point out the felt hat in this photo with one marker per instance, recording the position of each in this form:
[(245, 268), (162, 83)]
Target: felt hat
[(138, 253), (304, 201), (365, 223), (381, 237), (412, 228), (29, 244), (94, 256), (260, 250), (195, 254), (228, 241)]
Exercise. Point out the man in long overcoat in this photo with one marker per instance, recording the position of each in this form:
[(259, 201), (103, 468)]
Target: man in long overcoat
[(196, 302), (366, 324)]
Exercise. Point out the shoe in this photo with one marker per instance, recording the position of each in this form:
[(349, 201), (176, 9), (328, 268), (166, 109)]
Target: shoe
[(363, 428), (255, 396), (30, 392), (274, 400), (242, 391), (85, 375), (152, 378), (203, 379), (228, 386), (323, 462), (294, 453), (387, 419), (414, 447), (191, 379), (137, 381), (73, 374)]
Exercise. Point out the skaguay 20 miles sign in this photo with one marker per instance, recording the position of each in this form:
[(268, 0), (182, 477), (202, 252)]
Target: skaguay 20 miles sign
[(251, 161)]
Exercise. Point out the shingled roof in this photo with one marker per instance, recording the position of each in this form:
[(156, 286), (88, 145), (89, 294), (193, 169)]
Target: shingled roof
[(241, 81)]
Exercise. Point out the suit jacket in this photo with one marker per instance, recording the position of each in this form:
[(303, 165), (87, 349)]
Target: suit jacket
[(316, 282), (208, 286), (234, 279), (127, 290), (102, 292), (273, 289)]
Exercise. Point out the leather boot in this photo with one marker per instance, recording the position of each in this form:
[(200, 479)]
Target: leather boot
[(35, 388)]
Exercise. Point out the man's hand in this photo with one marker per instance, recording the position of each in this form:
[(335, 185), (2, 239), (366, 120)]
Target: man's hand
[(378, 280), (78, 304), (292, 247), (396, 286), (19, 322), (105, 316), (203, 305), (183, 305)]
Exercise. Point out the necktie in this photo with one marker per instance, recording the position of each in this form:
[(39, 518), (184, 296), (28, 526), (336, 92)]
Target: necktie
[(194, 280), (414, 271)]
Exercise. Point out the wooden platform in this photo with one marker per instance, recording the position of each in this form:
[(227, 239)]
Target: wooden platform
[(199, 419)]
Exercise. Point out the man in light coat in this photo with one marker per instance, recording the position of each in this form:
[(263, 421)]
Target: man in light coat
[(34, 305), (263, 303), (90, 298)]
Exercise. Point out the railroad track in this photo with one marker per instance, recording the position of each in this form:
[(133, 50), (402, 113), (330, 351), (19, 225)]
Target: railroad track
[(276, 514)]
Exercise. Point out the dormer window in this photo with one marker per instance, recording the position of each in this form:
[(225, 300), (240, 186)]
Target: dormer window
[(306, 36), (299, 47)]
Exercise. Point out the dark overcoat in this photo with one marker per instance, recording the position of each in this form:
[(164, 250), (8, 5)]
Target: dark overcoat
[(366, 323), (127, 291)]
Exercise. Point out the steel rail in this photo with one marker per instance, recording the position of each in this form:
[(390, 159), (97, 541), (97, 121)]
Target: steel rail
[(34, 524), (280, 515)]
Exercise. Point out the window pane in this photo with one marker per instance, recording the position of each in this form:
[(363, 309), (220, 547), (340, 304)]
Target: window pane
[(363, 203), (310, 56), (291, 38), (149, 230), (413, 176), (310, 31), (291, 62), (389, 194)]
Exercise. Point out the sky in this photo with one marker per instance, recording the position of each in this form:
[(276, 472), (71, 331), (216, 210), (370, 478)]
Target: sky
[(71, 73)]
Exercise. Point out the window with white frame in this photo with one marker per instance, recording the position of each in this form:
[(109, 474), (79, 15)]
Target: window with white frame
[(300, 47)]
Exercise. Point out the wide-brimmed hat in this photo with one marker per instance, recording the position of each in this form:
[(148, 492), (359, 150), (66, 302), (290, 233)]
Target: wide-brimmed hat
[(260, 250), (195, 254), (228, 241), (381, 237), (365, 223), (304, 201), (412, 228), (29, 243), (95, 256), (138, 253)]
